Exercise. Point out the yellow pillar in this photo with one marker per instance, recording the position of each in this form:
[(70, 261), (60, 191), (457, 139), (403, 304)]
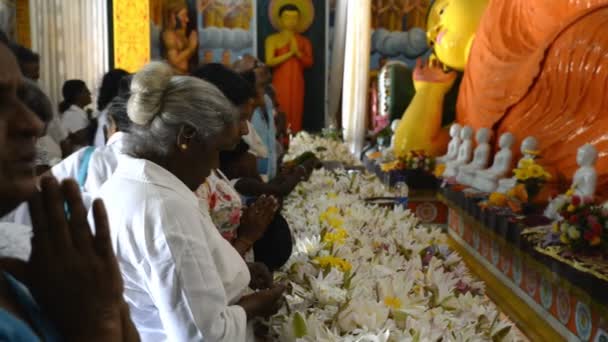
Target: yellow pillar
[(131, 28)]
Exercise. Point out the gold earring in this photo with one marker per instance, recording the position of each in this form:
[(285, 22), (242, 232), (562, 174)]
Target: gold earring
[(183, 146)]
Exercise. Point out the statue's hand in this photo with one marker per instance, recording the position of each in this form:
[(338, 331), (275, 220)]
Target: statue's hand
[(430, 74), (294, 47)]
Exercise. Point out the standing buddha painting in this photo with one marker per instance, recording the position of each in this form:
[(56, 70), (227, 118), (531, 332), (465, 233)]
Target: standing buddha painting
[(288, 53)]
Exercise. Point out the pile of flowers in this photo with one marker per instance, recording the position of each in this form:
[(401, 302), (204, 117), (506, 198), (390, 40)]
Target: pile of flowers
[(362, 272), (532, 176), (413, 160), (584, 225), (326, 149)]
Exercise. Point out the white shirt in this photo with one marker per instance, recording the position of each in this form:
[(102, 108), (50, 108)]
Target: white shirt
[(56, 130), (182, 279), (101, 166), (48, 152), (102, 122), (74, 119), (15, 241)]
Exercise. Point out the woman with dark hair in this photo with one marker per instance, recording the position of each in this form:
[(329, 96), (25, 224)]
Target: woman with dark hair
[(76, 96), (245, 227), (110, 85)]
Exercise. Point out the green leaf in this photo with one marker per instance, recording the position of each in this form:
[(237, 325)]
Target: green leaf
[(501, 334), (299, 325)]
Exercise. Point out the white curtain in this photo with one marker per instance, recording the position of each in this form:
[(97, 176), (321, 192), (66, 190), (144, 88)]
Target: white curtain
[(71, 37), (356, 74), (336, 72)]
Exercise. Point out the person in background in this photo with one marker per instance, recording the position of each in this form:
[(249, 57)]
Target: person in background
[(29, 64), (72, 274), (109, 89), (243, 226), (263, 116), (76, 96), (183, 280)]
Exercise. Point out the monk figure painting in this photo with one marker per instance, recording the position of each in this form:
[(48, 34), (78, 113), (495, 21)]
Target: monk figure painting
[(288, 52)]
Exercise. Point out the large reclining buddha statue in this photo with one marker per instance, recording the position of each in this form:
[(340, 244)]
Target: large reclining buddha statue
[(533, 68)]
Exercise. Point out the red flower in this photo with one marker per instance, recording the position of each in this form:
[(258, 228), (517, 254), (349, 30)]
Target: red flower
[(212, 200), (573, 219), (597, 228), (589, 235), (576, 201)]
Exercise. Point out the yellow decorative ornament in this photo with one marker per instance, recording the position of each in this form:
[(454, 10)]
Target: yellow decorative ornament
[(307, 13), (451, 30)]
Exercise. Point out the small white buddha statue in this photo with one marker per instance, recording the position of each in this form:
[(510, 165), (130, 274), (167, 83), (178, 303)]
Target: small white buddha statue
[(464, 153), (452, 146), (584, 182), (487, 180), (481, 156), (528, 148)]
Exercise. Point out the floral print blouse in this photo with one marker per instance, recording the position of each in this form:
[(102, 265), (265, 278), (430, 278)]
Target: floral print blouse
[(218, 196)]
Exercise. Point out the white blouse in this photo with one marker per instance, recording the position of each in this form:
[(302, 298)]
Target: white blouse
[(74, 119), (101, 166), (182, 279)]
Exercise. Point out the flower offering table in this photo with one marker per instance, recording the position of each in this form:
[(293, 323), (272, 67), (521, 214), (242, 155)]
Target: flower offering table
[(361, 271), (551, 294)]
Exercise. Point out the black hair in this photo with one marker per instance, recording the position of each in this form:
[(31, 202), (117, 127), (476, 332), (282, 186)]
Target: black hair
[(229, 156), (249, 76), (236, 88), (4, 38), (109, 87), (71, 90), (124, 87), (117, 110), (288, 7), (24, 55), (36, 100)]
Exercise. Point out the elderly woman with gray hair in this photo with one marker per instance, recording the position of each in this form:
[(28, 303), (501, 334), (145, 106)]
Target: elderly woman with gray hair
[(183, 281)]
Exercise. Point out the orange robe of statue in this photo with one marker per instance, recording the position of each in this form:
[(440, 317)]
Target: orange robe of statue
[(288, 81), (540, 68)]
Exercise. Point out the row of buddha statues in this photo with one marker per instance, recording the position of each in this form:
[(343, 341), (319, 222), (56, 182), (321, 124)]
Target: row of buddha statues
[(468, 164)]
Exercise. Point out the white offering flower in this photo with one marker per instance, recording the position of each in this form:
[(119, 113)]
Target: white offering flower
[(360, 314)]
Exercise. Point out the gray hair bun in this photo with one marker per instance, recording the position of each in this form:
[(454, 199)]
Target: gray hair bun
[(147, 92)]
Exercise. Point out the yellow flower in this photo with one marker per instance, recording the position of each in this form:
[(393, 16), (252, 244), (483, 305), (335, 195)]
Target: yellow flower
[(526, 163), (439, 170), (392, 302), (394, 165), (571, 208), (536, 171), (556, 227), (331, 261), (573, 233), (521, 174), (497, 199), (564, 239), (336, 237), (332, 195), (570, 192)]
